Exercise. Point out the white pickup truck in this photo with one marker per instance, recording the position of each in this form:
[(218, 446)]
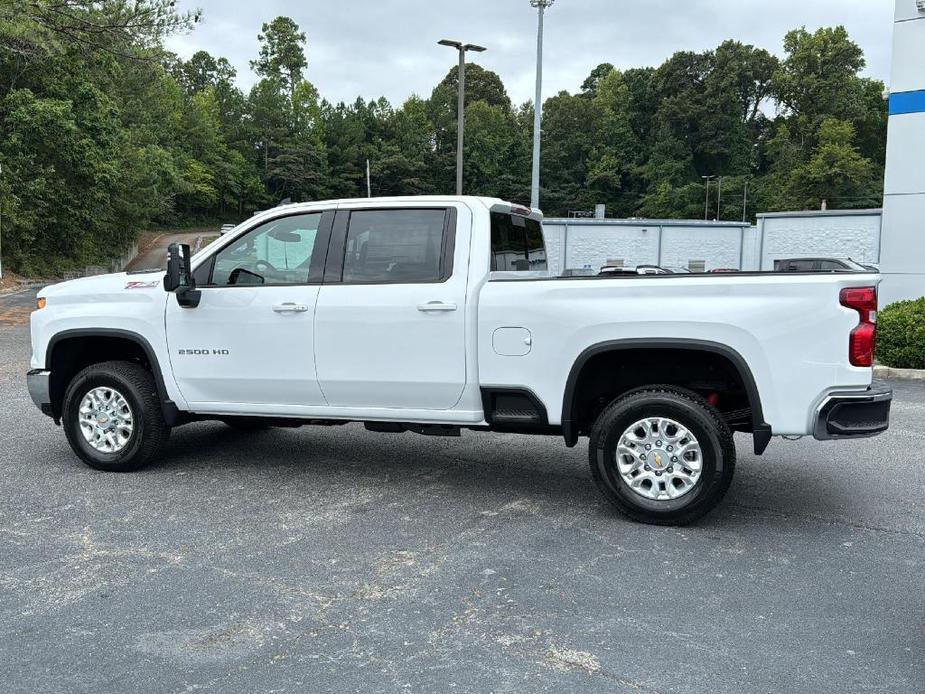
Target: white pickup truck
[(437, 314)]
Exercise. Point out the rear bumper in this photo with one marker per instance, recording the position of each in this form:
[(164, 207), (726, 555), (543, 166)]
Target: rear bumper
[(38, 381), (854, 415)]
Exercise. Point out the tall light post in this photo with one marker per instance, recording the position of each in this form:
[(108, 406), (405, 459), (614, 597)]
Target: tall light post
[(706, 199), (462, 48), (1, 230), (719, 200), (541, 6)]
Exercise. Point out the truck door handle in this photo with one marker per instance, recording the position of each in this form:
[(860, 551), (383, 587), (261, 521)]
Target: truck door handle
[(436, 306), (290, 307)]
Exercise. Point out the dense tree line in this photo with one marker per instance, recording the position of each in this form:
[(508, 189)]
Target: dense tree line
[(103, 132)]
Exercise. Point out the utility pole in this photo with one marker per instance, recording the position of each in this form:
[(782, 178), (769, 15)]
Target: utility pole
[(1, 229), (541, 6), (719, 199), (461, 118), (369, 190), (706, 200)]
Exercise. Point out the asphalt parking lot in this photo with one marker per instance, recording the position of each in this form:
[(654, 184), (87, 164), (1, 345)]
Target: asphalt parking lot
[(342, 560)]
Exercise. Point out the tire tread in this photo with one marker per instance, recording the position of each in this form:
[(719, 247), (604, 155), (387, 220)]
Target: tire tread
[(721, 429), (154, 429)]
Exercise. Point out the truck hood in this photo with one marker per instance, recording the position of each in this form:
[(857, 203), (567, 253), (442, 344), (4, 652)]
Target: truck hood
[(101, 286)]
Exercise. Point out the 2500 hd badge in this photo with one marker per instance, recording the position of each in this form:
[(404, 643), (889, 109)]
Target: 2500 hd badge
[(204, 352)]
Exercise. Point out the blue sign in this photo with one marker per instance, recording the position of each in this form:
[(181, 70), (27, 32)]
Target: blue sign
[(903, 103)]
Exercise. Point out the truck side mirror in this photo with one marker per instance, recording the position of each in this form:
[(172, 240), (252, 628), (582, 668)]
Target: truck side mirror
[(179, 278)]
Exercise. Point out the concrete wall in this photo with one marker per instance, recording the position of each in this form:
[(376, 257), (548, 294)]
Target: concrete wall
[(592, 243), (903, 252), (851, 234)]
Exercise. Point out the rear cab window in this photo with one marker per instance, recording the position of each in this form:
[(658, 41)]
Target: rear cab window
[(517, 244)]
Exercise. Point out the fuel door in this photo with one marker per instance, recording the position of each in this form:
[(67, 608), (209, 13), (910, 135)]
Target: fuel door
[(512, 342)]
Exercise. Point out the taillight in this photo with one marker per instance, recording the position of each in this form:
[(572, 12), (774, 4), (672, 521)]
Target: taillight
[(863, 341)]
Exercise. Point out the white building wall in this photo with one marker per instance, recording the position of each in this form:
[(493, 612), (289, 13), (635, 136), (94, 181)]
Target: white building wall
[(836, 234), (854, 234), (752, 254), (720, 247), (596, 245), (593, 243), (903, 252)]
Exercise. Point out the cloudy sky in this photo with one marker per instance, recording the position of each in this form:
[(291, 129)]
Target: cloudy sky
[(372, 48)]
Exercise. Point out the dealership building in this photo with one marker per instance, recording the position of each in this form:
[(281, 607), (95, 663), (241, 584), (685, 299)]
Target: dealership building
[(590, 244), (892, 238), (903, 239)]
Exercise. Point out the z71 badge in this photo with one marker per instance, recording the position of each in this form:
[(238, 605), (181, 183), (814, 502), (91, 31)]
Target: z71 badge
[(142, 285)]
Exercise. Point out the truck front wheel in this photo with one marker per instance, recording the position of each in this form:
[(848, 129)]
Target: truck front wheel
[(112, 416), (662, 455)]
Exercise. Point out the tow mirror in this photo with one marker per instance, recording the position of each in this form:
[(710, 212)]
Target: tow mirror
[(179, 278)]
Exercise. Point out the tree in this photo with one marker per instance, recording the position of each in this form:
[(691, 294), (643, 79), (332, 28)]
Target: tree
[(282, 53), (615, 159), (202, 71), (590, 85), (836, 173), (819, 72), (270, 113), (103, 132), (117, 27), (748, 73), (481, 85)]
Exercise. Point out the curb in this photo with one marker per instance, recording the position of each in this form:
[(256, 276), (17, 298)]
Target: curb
[(899, 374)]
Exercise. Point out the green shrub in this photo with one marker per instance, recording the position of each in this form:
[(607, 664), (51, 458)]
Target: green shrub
[(901, 335)]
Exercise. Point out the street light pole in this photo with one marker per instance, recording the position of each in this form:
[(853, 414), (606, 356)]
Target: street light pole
[(461, 105), (541, 6), (719, 199), (706, 199), (1, 229)]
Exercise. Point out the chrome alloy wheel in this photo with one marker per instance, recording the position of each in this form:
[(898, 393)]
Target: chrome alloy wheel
[(106, 420), (659, 459)]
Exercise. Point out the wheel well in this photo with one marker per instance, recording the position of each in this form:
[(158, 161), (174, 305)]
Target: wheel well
[(68, 356), (602, 375)]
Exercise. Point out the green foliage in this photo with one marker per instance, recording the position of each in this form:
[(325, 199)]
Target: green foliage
[(282, 52), (901, 335), (103, 133)]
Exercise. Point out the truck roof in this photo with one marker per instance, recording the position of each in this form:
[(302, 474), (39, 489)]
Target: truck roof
[(488, 202)]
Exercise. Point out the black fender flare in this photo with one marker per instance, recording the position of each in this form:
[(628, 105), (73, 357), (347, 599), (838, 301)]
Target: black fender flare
[(761, 429), (168, 407)]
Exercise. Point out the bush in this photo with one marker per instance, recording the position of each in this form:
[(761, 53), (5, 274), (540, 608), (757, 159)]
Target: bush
[(901, 335)]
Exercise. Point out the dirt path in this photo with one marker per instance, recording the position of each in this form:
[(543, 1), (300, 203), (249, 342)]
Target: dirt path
[(155, 256)]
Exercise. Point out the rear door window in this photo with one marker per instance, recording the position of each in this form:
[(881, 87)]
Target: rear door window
[(396, 246), (517, 244)]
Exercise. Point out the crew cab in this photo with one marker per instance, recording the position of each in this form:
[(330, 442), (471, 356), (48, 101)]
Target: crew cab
[(435, 315)]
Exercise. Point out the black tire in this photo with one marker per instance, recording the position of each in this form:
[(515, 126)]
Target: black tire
[(691, 411), (247, 424), (150, 432)]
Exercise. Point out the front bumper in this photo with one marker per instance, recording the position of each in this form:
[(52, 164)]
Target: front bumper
[(854, 415), (38, 381)]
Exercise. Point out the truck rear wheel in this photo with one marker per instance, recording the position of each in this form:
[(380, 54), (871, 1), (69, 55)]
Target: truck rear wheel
[(112, 416), (662, 455)]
